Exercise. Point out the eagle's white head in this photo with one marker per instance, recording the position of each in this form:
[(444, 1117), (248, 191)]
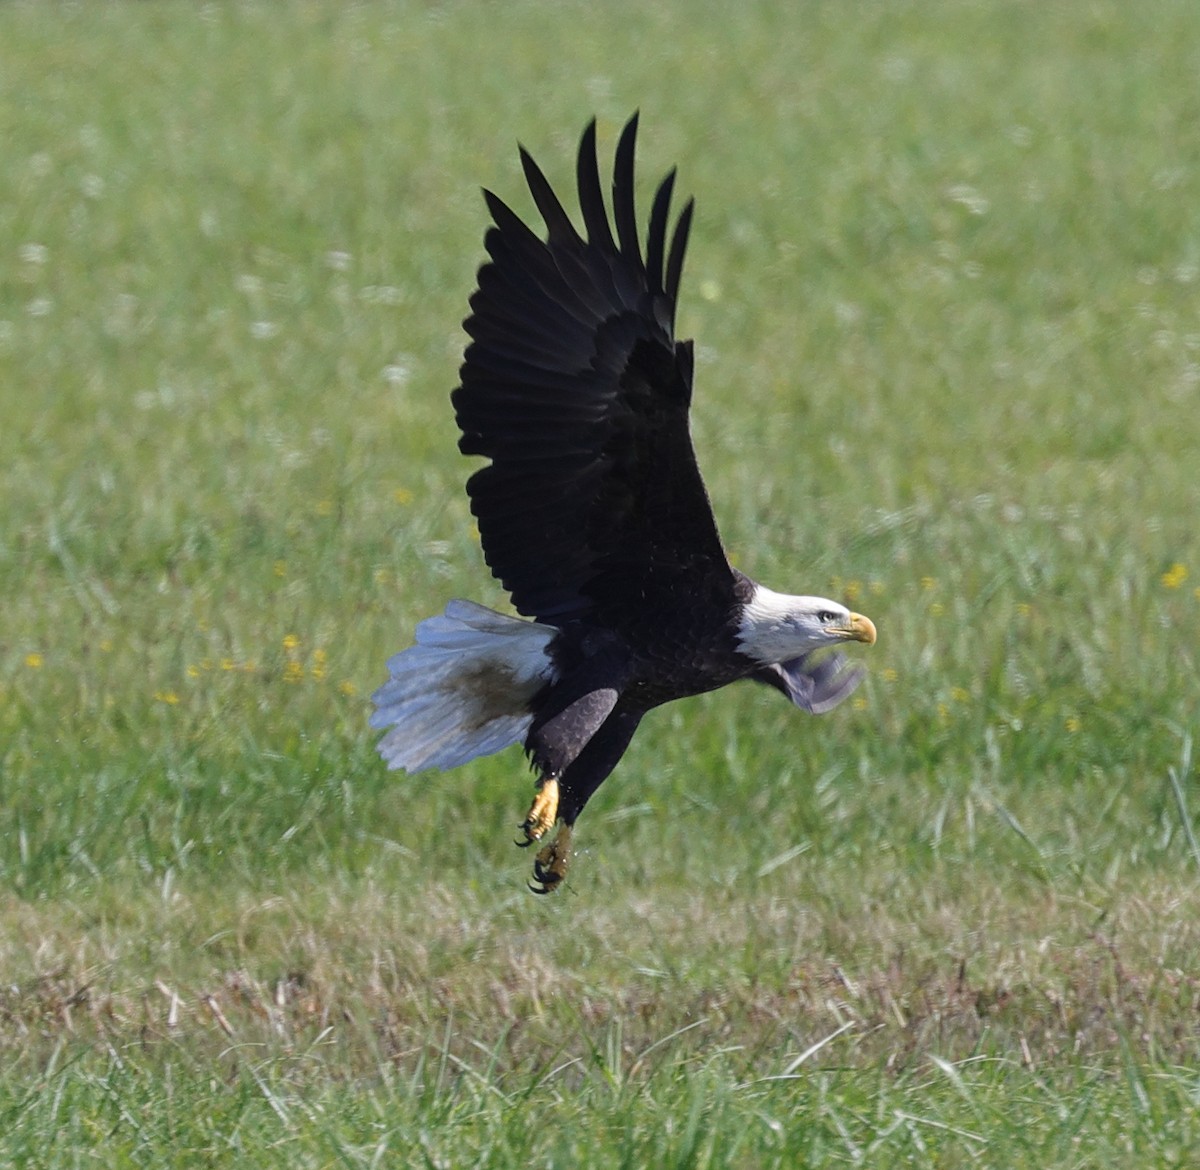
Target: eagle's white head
[(777, 627)]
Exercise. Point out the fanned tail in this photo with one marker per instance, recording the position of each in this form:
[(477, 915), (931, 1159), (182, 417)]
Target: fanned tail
[(463, 689)]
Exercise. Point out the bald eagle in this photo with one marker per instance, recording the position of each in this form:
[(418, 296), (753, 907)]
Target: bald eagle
[(593, 516)]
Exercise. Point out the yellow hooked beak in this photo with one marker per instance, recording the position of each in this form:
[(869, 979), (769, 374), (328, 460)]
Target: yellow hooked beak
[(859, 629)]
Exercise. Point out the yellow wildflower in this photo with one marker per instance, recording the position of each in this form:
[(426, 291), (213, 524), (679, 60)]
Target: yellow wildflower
[(853, 591), (280, 568), (317, 670), (290, 642), (1175, 576), (1073, 723), (347, 687), (34, 661), (960, 694), (890, 674), (293, 672), (168, 697), (402, 496)]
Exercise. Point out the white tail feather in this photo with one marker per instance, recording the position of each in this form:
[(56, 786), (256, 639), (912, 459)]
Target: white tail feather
[(463, 689)]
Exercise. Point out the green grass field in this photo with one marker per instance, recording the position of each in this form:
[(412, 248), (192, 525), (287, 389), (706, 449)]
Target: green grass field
[(945, 281)]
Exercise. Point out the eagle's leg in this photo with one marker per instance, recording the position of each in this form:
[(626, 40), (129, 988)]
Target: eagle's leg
[(568, 719), (550, 865), (542, 814), (572, 790)]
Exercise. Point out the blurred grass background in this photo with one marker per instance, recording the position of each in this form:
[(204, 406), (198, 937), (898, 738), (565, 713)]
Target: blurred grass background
[(944, 285)]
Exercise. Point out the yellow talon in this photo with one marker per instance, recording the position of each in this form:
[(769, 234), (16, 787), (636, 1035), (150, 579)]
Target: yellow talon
[(543, 812), (550, 865)]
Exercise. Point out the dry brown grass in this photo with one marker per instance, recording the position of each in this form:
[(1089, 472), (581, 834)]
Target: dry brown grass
[(400, 979)]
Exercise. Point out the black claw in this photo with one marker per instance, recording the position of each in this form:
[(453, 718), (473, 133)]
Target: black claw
[(546, 878), (534, 890)]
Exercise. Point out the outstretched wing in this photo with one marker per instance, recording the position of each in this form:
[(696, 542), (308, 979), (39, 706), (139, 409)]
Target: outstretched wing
[(814, 683), (576, 390)]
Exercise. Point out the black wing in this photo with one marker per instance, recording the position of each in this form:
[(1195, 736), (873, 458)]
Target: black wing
[(575, 388)]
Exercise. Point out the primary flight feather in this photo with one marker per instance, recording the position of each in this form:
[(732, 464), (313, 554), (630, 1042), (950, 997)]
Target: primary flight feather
[(593, 515)]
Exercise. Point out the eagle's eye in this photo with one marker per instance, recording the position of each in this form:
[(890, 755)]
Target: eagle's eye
[(826, 616)]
